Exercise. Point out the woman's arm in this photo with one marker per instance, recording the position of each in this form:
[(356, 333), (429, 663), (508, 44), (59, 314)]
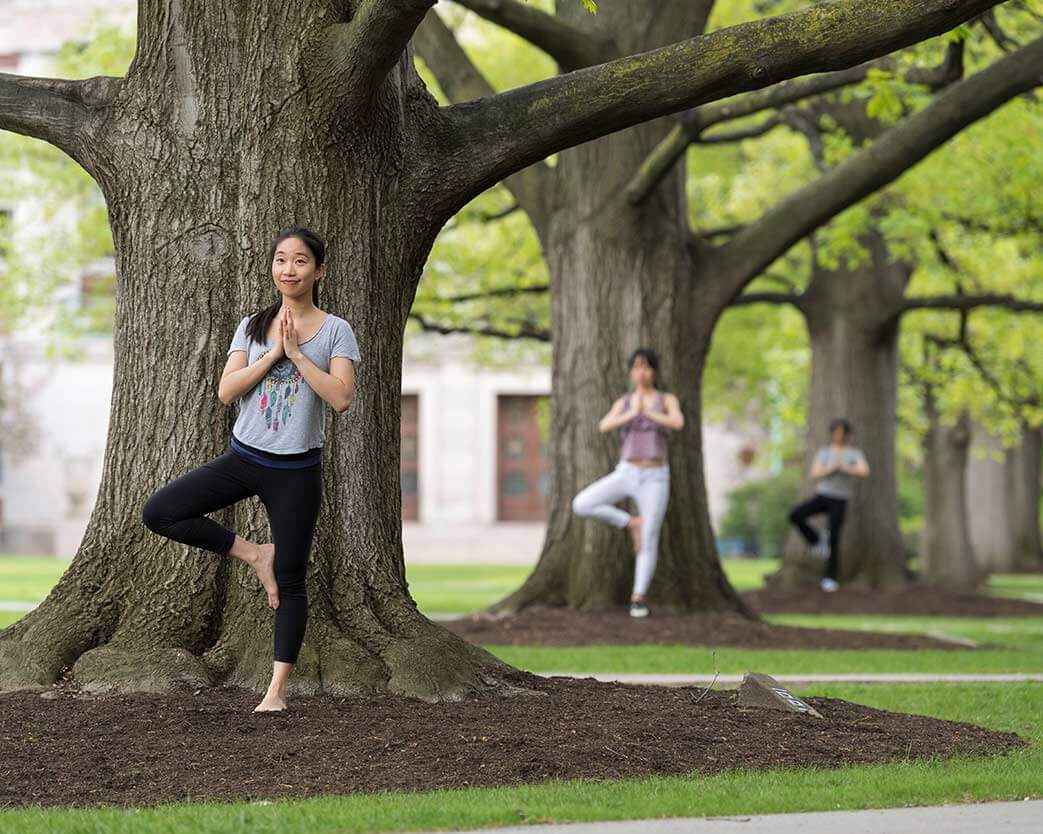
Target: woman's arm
[(673, 418), (237, 378), (615, 417), (336, 387)]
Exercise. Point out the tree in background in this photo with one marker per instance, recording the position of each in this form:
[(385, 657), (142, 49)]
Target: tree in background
[(634, 272)]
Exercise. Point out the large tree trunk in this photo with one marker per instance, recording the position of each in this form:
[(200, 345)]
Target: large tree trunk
[(948, 556), (1003, 501), (623, 277), (188, 161), (853, 329), (1024, 467)]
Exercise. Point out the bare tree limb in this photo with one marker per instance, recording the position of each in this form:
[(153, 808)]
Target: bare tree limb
[(570, 45), (767, 298), (535, 289), (874, 166), (365, 49), (53, 109), (493, 216), (525, 329), (461, 80), (721, 137), (997, 32), (1028, 224), (970, 302), (499, 136)]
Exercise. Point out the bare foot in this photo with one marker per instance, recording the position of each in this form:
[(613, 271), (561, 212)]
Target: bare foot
[(634, 525), (264, 565), (271, 703)]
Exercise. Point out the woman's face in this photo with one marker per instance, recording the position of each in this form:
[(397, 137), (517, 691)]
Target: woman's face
[(641, 373), (839, 435), (293, 268)]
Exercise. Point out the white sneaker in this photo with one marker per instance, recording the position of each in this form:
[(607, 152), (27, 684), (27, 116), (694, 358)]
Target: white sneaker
[(829, 585), (821, 548)]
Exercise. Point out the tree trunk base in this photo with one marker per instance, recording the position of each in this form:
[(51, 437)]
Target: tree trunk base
[(428, 663)]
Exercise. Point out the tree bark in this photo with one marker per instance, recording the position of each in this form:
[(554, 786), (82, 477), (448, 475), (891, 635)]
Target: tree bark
[(948, 556), (1025, 499), (1003, 501), (854, 374), (621, 278)]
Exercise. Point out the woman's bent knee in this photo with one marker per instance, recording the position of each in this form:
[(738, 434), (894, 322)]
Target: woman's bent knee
[(153, 515), (580, 505)]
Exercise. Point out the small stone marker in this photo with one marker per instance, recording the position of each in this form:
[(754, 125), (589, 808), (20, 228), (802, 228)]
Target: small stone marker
[(757, 690)]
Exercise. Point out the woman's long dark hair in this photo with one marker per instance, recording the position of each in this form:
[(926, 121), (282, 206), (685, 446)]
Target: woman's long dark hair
[(651, 357), (257, 327)]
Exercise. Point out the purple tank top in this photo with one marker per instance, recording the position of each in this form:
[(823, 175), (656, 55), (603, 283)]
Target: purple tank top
[(643, 438)]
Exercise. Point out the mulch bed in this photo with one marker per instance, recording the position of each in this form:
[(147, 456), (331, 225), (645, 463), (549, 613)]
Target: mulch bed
[(541, 626), (911, 602), (80, 750)]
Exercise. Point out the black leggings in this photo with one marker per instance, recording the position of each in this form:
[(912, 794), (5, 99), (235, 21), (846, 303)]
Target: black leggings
[(835, 508), (291, 497)]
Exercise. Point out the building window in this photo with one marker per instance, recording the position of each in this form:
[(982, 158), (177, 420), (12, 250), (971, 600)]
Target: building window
[(409, 470), (522, 465)]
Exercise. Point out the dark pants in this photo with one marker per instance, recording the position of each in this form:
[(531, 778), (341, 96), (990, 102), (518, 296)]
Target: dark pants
[(835, 509), (291, 498)]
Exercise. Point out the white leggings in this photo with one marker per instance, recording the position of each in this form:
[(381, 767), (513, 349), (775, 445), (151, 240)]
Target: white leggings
[(650, 488)]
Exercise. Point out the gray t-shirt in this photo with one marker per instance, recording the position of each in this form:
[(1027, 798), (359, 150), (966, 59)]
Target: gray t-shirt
[(282, 414), (839, 484)]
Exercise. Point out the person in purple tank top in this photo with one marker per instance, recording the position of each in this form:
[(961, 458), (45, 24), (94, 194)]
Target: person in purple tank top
[(645, 417)]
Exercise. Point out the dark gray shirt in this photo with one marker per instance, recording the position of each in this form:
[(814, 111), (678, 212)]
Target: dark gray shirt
[(282, 414), (839, 484)]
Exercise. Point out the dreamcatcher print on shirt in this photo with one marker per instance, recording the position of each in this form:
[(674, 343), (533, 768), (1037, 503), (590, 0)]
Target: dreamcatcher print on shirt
[(277, 393)]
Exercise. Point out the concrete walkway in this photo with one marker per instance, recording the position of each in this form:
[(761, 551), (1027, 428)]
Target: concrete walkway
[(993, 817), (855, 677)]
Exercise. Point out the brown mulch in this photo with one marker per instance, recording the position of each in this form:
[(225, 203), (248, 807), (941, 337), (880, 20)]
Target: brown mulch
[(539, 626), (148, 749), (911, 602)]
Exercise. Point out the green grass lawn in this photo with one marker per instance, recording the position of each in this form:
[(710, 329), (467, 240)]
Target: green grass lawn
[(442, 589), (1012, 707)]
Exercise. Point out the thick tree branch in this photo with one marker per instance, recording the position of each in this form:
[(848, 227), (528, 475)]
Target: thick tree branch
[(53, 109), (571, 46), (461, 80), (524, 331), (504, 134), (873, 167), (366, 49)]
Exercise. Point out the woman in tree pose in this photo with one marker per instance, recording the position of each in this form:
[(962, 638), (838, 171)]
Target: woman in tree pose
[(835, 467), (283, 364), (645, 417)]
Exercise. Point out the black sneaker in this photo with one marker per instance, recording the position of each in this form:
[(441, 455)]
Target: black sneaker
[(638, 609)]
